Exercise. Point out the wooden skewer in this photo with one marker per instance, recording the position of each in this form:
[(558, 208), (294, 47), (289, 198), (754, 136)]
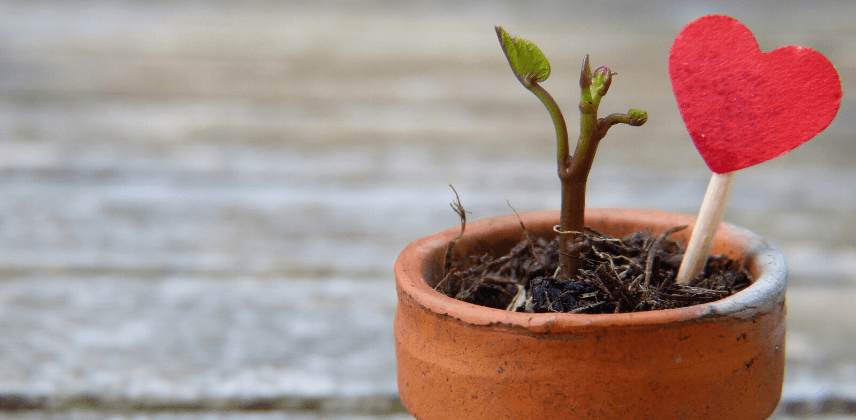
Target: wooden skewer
[(712, 207)]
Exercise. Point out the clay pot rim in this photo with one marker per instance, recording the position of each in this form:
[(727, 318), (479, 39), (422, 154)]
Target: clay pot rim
[(766, 260)]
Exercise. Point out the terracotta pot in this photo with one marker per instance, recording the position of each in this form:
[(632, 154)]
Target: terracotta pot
[(722, 360)]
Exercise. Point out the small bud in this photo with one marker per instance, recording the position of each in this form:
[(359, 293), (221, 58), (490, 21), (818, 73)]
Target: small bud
[(601, 79), (585, 73), (637, 117)]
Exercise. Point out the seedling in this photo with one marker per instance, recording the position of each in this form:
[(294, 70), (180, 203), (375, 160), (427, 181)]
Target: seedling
[(531, 67)]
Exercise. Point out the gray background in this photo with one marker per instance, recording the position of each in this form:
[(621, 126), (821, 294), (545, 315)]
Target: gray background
[(201, 203)]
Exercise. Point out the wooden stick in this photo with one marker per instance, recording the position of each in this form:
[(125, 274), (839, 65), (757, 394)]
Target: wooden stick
[(712, 207)]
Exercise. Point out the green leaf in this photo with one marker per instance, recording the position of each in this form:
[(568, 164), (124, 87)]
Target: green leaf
[(527, 61)]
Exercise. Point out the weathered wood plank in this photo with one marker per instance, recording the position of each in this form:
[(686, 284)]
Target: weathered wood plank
[(198, 201)]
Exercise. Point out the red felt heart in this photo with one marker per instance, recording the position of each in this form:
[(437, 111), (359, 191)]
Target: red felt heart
[(742, 106)]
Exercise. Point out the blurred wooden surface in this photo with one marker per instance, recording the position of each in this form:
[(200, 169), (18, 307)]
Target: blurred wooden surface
[(200, 204)]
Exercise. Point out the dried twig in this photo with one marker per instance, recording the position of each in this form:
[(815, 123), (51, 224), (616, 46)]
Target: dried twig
[(526, 235), (447, 258), (652, 251)]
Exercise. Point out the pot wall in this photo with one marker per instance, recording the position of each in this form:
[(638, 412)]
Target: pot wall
[(715, 361)]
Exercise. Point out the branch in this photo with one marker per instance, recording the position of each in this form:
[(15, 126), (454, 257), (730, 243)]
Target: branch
[(634, 117)]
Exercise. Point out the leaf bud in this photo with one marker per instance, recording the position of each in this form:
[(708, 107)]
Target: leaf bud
[(637, 117), (601, 79), (585, 73)]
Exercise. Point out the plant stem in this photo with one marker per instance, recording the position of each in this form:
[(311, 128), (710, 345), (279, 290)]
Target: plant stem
[(573, 172), (558, 121)]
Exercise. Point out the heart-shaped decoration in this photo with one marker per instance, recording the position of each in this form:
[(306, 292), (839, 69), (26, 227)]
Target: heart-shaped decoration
[(742, 106)]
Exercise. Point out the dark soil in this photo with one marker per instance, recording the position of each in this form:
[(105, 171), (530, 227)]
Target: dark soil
[(630, 274)]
